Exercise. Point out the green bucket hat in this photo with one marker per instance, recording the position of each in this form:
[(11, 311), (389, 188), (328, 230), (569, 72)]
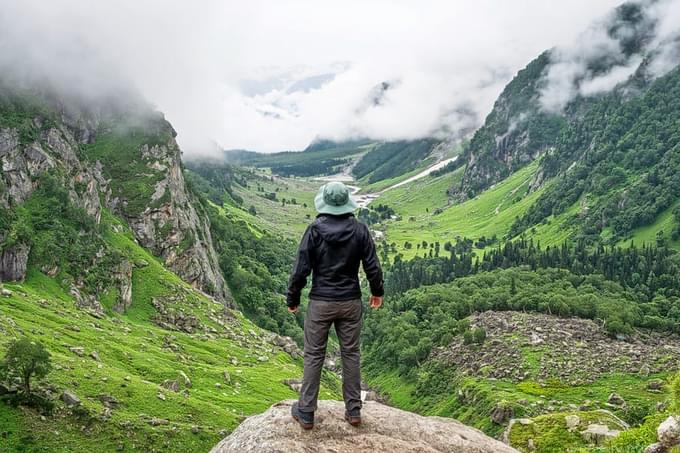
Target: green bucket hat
[(334, 198)]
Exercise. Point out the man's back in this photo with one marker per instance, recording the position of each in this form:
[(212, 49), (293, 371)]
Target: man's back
[(331, 249)]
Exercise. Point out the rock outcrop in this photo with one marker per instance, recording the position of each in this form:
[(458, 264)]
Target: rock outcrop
[(165, 220), (383, 429), (668, 435), (13, 262)]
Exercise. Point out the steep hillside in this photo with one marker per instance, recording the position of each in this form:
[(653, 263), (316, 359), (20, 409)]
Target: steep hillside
[(72, 162), (109, 260), (320, 158), (175, 372), (610, 154)]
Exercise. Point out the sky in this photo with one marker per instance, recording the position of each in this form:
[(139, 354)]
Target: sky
[(276, 75)]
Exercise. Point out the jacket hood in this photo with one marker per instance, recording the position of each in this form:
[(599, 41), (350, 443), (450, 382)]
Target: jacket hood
[(335, 229)]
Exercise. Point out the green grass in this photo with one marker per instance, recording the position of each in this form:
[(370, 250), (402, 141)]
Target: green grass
[(490, 213), (664, 222), (550, 435), (422, 195), (377, 186), (290, 220), (437, 388), (342, 150), (131, 177), (135, 359)]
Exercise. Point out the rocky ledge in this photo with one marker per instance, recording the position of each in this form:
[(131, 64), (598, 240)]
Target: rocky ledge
[(384, 429)]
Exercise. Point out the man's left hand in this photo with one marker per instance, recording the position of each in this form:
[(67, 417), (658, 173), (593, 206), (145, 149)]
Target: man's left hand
[(293, 309)]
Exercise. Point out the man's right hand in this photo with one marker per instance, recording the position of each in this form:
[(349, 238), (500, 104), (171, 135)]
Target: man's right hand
[(293, 309), (375, 302)]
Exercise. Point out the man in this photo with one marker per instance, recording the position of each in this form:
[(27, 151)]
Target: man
[(331, 250)]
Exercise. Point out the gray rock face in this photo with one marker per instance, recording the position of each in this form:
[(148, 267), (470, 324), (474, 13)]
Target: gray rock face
[(501, 413), (123, 276), (384, 430), (668, 434), (170, 226), (70, 399), (616, 399), (598, 434), (13, 263)]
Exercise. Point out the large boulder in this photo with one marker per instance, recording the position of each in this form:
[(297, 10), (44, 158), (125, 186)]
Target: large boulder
[(668, 434), (598, 434), (13, 262), (383, 429)]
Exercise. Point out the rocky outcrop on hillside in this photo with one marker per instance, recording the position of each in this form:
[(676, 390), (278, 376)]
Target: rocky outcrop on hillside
[(170, 225), (58, 139), (574, 351), (13, 262), (384, 429), (668, 435), (507, 140)]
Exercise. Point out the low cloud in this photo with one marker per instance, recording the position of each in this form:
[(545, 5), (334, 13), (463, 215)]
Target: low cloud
[(611, 50), (268, 75)]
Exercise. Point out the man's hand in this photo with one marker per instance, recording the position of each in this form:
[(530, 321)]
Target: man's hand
[(375, 302), (293, 309)]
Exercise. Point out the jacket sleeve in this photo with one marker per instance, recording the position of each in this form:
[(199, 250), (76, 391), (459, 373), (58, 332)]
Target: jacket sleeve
[(301, 270), (371, 266)]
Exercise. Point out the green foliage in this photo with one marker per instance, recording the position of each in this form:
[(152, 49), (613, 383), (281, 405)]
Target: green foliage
[(321, 151), (215, 180), (387, 160), (26, 112), (650, 273), (375, 214), (433, 311), (61, 235), (119, 148), (479, 335), (25, 360), (617, 142), (675, 392), (256, 269)]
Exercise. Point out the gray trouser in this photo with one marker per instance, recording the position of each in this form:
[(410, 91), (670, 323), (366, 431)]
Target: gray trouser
[(346, 316)]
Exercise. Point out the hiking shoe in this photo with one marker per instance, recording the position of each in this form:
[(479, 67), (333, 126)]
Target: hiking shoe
[(353, 417), (305, 419)]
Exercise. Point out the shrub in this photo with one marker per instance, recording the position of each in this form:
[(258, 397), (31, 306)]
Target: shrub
[(25, 359), (479, 335)]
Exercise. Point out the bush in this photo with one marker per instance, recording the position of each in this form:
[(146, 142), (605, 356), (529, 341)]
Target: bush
[(479, 335), (41, 403), (25, 359)]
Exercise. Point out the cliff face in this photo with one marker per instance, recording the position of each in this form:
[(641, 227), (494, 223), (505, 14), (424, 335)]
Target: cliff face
[(114, 156), (515, 133)]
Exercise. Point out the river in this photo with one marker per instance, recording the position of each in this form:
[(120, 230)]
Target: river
[(364, 200)]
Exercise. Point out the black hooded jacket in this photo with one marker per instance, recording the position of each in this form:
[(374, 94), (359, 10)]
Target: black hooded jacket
[(331, 249)]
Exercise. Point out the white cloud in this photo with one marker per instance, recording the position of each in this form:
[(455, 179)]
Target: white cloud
[(598, 60), (272, 75)]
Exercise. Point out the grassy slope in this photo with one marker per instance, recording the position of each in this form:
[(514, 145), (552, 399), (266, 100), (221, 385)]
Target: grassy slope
[(134, 362), (367, 187), (492, 212), (664, 222), (290, 220)]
